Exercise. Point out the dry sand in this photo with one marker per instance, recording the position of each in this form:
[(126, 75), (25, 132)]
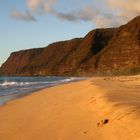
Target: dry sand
[(94, 109)]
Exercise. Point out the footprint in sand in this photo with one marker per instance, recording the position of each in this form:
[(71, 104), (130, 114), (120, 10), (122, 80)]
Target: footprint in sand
[(92, 100), (102, 122), (119, 117)]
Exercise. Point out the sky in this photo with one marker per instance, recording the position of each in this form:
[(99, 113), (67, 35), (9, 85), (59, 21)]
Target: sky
[(28, 24)]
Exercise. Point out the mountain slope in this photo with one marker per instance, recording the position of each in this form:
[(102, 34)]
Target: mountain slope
[(100, 51), (123, 51)]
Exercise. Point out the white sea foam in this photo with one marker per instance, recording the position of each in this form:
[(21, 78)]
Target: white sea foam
[(71, 79), (7, 84), (10, 84), (16, 86)]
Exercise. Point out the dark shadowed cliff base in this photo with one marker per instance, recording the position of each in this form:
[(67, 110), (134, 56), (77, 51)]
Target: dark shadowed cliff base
[(101, 51)]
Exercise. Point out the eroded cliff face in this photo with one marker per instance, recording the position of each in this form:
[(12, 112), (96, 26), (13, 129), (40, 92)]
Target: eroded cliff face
[(123, 51), (18, 60), (100, 51)]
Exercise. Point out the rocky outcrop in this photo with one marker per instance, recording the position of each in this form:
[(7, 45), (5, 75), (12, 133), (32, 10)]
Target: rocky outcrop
[(100, 51)]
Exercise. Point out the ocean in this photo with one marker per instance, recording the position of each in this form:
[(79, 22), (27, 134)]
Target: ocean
[(14, 87)]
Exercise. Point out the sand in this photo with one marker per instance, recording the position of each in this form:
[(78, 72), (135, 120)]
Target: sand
[(94, 109)]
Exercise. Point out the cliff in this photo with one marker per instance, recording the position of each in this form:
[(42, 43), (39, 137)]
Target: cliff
[(100, 51)]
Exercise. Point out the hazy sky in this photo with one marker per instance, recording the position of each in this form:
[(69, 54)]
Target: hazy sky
[(36, 23)]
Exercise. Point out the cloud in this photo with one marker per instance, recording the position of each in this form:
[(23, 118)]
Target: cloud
[(123, 6), (125, 9), (102, 13), (22, 16), (40, 6), (107, 21), (84, 14), (118, 12)]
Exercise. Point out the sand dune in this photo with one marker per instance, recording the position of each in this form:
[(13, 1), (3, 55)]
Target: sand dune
[(95, 109)]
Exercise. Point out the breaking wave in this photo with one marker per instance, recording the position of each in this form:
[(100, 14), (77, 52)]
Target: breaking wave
[(12, 87), (11, 84)]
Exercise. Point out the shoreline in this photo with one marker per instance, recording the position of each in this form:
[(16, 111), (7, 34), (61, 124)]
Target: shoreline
[(36, 90), (96, 108)]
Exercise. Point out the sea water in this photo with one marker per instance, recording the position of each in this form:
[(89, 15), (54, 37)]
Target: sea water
[(14, 87)]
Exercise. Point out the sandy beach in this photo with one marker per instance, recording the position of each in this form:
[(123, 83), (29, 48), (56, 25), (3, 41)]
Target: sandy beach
[(94, 109)]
